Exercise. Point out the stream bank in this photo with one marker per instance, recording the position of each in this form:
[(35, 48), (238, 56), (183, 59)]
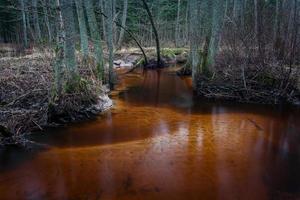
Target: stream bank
[(25, 97), (26, 90)]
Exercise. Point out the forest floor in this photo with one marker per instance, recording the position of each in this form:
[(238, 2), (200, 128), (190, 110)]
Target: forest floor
[(240, 80), (25, 97)]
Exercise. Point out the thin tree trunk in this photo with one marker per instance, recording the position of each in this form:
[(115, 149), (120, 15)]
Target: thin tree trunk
[(95, 35), (276, 21), (69, 28), (177, 25), (258, 27), (109, 36), (132, 37), (159, 63), (24, 23), (46, 18), (59, 57), (84, 43), (277, 26), (115, 17), (103, 19), (217, 24), (195, 59), (187, 23), (36, 23), (124, 17)]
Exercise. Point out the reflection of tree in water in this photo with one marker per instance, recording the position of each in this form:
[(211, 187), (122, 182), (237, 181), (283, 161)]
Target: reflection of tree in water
[(282, 158)]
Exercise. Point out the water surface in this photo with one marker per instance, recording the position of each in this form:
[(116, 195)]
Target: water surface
[(160, 142)]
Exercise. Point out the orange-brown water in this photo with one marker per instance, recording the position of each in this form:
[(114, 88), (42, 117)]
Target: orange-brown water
[(159, 142)]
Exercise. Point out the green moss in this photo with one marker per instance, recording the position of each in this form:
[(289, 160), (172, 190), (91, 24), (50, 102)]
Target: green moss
[(75, 84), (141, 62), (172, 52)]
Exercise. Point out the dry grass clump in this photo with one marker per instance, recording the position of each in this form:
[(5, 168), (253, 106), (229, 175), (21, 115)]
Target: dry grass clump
[(251, 81), (26, 96)]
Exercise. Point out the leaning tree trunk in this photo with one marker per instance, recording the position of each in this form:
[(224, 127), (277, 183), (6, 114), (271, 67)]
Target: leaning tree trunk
[(159, 63), (84, 43), (96, 38), (24, 24), (69, 28), (132, 37), (124, 17)]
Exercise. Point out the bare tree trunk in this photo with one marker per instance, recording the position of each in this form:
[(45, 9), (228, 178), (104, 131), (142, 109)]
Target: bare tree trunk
[(195, 59), (24, 23), (36, 23), (217, 24), (46, 18), (177, 25), (59, 56), (84, 43), (258, 28), (115, 17), (69, 28), (132, 37), (187, 23), (109, 9), (277, 43), (103, 19), (159, 63), (96, 38), (124, 17)]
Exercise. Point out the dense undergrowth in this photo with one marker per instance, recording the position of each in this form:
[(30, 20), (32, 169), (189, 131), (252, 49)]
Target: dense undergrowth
[(248, 80), (27, 102)]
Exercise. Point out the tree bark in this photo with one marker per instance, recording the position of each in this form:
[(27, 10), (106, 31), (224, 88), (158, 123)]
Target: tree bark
[(177, 24), (59, 56), (217, 24), (258, 28), (84, 43), (159, 63), (69, 28), (46, 18), (36, 23), (194, 48), (124, 17), (110, 43), (96, 38), (24, 23), (132, 37), (103, 19)]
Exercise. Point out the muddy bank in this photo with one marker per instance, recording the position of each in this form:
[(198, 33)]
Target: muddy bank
[(25, 93)]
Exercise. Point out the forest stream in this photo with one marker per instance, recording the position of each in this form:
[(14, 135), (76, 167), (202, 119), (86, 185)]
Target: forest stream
[(161, 142)]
